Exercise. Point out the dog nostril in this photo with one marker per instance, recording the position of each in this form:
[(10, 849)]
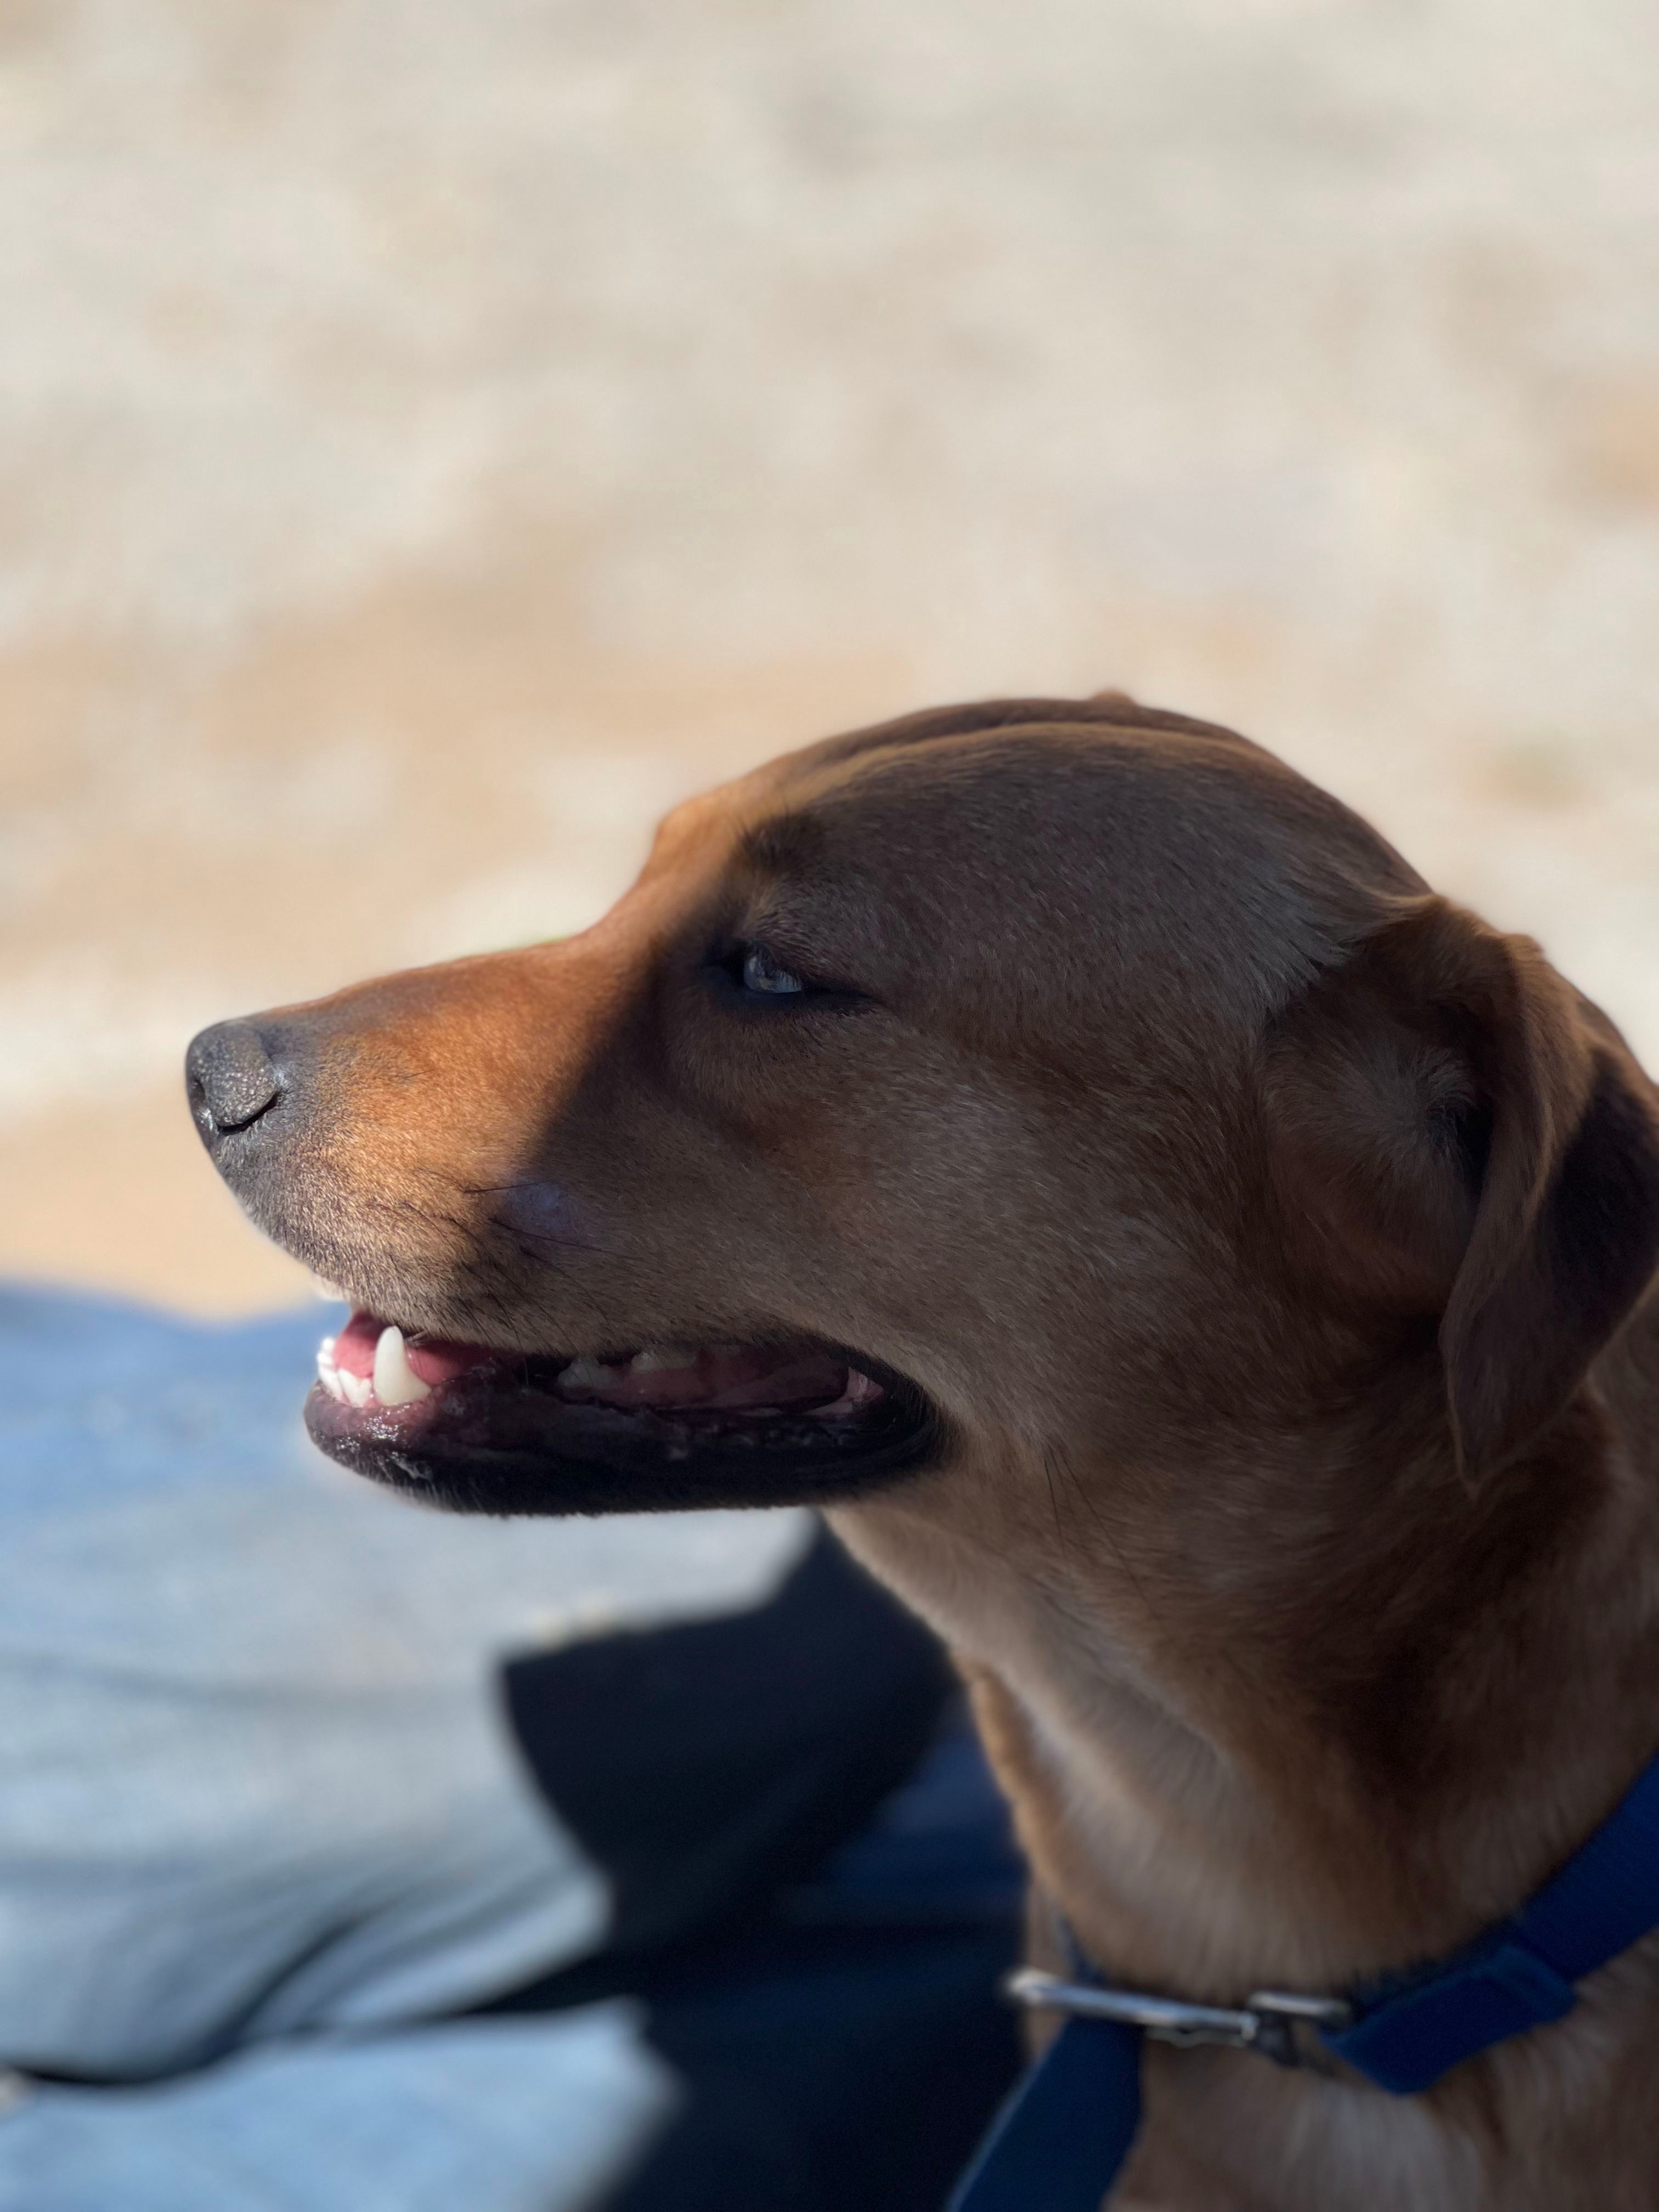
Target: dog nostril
[(229, 1077)]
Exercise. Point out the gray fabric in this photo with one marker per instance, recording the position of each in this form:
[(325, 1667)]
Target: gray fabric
[(254, 1779), (474, 2116)]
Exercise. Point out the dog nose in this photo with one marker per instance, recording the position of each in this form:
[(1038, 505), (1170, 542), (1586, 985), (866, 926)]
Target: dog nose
[(230, 1078)]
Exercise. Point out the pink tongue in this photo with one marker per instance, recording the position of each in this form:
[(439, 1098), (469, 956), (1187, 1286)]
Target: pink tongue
[(434, 1361)]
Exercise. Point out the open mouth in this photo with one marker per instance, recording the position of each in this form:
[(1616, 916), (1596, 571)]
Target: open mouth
[(667, 1425)]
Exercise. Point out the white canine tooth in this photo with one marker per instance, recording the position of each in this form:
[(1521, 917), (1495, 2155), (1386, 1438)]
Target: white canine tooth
[(331, 1380), (396, 1382), (325, 1352), (358, 1389), (662, 1358), (585, 1374)]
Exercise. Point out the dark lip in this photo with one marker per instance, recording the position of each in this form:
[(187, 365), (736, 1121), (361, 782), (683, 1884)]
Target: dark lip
[(505, 1446)]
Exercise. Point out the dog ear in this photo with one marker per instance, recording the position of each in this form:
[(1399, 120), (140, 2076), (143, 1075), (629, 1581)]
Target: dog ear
[(1465, 1133)]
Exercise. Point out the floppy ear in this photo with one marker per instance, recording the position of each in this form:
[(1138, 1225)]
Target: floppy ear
[(1500, 1158)]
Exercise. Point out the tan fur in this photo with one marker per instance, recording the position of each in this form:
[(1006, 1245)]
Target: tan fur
[(1275, 1240)]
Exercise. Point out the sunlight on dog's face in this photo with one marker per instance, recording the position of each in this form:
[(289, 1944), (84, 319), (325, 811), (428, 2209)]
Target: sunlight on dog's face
[(888, 1109)]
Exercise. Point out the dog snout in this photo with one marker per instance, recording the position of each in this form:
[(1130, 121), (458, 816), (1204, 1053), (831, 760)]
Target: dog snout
[(231, 1079)]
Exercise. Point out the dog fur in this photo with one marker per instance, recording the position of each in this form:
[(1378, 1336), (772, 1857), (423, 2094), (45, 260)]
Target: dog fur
[(1275, 1241)]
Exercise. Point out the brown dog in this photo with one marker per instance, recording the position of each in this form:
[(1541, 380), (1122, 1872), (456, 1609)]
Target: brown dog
[(1205, 1272)]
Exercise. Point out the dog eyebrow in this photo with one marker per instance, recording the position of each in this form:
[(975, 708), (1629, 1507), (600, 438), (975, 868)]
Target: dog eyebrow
[(783, 845)]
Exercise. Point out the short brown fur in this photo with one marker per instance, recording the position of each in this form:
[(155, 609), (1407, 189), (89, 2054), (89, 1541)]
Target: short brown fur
[(1276, 1240)]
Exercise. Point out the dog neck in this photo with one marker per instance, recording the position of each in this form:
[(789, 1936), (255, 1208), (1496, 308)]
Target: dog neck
[(1299, 1761)]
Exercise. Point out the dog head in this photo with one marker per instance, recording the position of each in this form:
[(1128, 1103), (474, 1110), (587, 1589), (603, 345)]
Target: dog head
[(1042, 1083)]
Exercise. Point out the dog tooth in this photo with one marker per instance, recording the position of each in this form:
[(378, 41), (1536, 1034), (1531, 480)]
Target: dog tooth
[(662, 1358), (325, 1352), (396, 1382), (358, 1389), (585, 1374), (331, 1380)]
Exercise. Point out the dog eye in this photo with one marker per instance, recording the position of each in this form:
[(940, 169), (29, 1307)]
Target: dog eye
[(760, 972)]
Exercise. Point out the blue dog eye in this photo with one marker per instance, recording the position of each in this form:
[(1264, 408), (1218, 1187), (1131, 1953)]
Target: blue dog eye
[(762, 973)]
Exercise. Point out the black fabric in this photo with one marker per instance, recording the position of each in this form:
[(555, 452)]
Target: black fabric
[(832, 2070), (707, 1765), (815, 1888)]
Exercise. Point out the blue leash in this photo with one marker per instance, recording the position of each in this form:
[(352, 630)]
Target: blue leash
[(1061, 2140)]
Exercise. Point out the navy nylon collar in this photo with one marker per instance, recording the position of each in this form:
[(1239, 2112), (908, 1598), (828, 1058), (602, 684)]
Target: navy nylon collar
[(1063, 2138)]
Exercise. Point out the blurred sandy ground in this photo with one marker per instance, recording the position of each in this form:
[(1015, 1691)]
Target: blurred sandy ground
[(434, 438)]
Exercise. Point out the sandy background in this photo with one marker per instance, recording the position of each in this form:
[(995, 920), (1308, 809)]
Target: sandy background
[(432, 439)]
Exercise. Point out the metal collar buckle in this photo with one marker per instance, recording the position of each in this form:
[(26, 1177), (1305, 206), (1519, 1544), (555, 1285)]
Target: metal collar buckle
[(1266, 2022)]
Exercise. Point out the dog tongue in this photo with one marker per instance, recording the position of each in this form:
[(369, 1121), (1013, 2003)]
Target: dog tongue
[(433, 1360)]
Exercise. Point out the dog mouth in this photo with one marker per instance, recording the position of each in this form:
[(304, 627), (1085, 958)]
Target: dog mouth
[(480, 1429)]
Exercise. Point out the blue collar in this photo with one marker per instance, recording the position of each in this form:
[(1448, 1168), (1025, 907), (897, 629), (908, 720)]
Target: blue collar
[(1064, 2134)]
